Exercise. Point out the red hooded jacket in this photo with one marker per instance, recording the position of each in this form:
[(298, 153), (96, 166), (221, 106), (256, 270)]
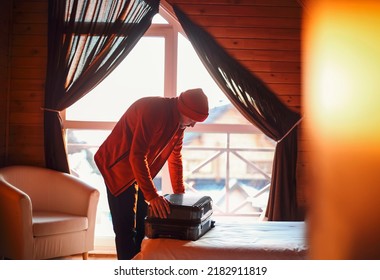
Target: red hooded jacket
[(144, 138)]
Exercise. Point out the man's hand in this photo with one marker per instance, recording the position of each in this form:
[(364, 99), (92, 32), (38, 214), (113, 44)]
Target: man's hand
[(160, 207)]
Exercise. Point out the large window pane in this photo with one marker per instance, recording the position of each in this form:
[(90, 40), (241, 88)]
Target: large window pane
[(128, 82), (192, 74), (234, 169)]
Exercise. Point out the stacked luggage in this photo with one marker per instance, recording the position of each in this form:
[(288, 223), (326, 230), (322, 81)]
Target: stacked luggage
[(189, 218)]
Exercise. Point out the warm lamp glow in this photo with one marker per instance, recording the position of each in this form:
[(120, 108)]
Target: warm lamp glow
[(343, 47), (342, 110)]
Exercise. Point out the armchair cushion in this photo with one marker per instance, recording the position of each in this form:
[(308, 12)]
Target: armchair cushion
[(50, 223)]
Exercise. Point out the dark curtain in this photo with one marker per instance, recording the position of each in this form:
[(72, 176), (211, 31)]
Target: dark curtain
[(262, 108), (87, 39)]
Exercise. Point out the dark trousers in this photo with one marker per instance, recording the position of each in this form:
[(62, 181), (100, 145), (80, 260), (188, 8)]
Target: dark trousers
[(128, 212)]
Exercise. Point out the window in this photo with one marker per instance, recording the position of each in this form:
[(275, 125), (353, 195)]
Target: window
[(225, 157)]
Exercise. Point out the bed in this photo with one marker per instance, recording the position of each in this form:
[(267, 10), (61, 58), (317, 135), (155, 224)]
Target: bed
[(238, 240)]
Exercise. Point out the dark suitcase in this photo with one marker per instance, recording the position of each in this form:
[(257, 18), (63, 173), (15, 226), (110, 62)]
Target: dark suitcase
[(189, 218)]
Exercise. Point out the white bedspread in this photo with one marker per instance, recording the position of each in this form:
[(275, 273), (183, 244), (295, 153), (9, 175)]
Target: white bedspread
[(234, 240)]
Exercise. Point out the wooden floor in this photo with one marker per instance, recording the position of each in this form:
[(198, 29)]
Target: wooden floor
[(95, 256)]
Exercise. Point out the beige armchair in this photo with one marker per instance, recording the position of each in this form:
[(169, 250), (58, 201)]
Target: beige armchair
[(45, 214)]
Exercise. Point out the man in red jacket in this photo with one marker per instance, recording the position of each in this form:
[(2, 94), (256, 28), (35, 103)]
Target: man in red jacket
[(148, 134)]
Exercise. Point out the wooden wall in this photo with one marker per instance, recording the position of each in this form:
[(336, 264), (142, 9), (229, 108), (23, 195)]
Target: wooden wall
[(264, 35), (27, 58), (5, 17)]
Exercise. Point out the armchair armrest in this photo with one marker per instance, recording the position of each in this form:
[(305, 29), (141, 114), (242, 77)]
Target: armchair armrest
[(16, 232)]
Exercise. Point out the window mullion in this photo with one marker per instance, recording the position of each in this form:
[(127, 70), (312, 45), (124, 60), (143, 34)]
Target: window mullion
[(170, 87), (171, 59)]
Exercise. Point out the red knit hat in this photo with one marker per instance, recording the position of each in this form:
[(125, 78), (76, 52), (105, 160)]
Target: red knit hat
[(193, 103)]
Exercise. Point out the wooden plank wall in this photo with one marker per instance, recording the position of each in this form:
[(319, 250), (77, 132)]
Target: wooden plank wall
[(5, 22), (265, 37), (28, 62)]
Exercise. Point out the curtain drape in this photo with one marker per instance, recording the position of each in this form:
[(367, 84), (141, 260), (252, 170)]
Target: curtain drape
[(261, 107), (87, 39)]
